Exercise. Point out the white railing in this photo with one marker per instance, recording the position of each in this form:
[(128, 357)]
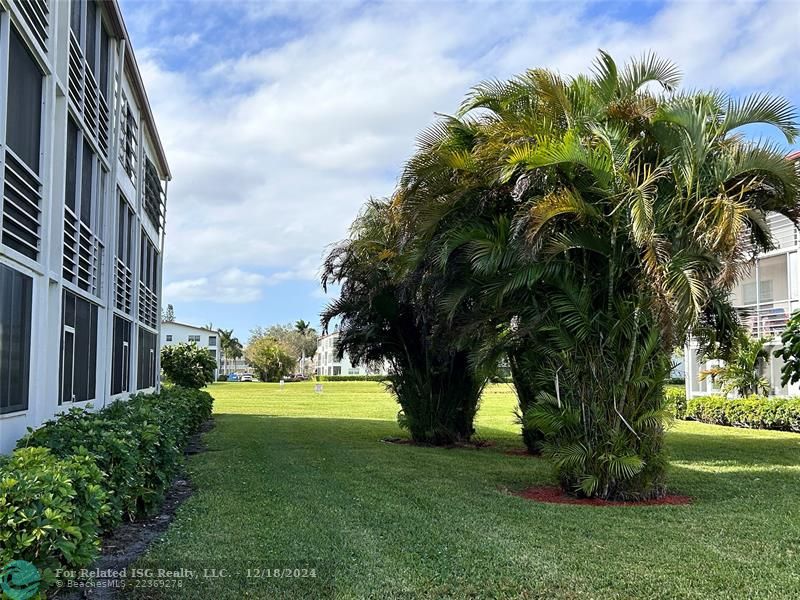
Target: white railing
[(765, 320)]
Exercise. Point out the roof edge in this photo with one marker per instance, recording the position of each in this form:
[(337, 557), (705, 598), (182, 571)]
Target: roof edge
[(132, 67)]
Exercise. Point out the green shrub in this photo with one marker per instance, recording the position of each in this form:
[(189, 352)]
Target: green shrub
[(137, 444), (675, 401), (753, 412), (50, 509), (351, 378), (188, 365)]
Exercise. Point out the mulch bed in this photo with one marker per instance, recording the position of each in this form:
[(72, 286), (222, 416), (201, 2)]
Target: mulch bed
[(473, 445), (521, 452), (130, 540), (554, 495)]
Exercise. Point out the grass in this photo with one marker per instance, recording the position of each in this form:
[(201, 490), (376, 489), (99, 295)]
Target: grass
[(296, 479)]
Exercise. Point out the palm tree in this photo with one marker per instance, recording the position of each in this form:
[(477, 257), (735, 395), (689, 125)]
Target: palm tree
[(230, 346), (388, 311), (595, 223), (741, 368), (303, 328)]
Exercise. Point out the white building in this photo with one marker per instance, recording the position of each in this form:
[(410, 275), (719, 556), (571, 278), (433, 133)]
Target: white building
[(326, 362), (765, 299), (83, 178), (173, 333)]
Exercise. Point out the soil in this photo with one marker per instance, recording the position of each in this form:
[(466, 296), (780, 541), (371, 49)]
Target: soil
[(130, 540), (474, 444), (554, 495)]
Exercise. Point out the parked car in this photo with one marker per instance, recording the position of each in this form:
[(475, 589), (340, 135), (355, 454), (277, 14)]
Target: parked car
[(296, 377), (233, 377), (246, 377)]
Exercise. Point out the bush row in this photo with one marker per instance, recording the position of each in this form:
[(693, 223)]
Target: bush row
[(351, 377), (81, 474), (675, 400), (753, 412)]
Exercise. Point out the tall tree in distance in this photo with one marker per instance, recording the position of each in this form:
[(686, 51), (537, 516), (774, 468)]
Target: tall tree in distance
[(304, 329), (168, 314)]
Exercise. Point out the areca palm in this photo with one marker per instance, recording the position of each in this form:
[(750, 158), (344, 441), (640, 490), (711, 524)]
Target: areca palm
[(388, 311), (600, 221)]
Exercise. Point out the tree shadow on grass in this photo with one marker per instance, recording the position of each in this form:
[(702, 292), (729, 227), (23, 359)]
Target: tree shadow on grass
[(704, 465), (730, 446)]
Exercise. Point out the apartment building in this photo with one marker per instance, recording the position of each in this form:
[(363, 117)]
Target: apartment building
[(173, 333), (326, 362), (83, 177), (765, 298)]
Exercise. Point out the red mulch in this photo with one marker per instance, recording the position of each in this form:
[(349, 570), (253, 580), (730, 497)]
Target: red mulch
[(554, 495), (475, 444), (521, 452)]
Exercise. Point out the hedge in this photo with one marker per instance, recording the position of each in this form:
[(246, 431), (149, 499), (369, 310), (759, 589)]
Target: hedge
[(351, 377), (753, 412), (675, 402), (82, 473)]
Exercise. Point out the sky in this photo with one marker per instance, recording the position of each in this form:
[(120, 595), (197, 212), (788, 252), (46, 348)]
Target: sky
[(280, 119)]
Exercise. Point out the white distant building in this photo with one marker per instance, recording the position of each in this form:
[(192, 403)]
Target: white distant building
[(173, 333), (326, 362), (765, 299), (83, 183)]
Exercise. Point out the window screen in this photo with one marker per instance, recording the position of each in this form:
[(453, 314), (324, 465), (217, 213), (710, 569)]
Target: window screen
[(78, 349), (15, 339), (75, 17), (148, 346), (24, 110), (120, 361), (91, 34), (87, 180), (72, 164)]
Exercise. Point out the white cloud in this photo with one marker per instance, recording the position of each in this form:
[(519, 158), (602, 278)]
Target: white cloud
[(274, 152), (233, 286)]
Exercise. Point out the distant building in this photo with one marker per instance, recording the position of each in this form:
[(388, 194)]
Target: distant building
[(326, 362), (173, 333), (765, 298)]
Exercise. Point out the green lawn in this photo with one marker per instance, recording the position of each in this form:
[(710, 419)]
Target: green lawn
[(296, 479)]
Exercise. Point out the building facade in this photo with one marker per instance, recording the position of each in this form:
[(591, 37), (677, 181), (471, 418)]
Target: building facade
[(765, 298), (83, 177), (173, 333), (326, 362)]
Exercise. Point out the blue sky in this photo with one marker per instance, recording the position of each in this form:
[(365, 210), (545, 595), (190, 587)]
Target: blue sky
[(281, 118)]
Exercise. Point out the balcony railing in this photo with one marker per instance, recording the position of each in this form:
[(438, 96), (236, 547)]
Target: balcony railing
[(766, 320)]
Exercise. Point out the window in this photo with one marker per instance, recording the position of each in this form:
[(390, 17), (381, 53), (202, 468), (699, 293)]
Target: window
[(75, 19), (148, 346), (129, 142), (123, 269), (15, 339), (24, 110), (78, 349), (21, 202), (121, 356), (72, 165), (213, 353), (154, 200), (212, 340), (169, 337), (194, 338)]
